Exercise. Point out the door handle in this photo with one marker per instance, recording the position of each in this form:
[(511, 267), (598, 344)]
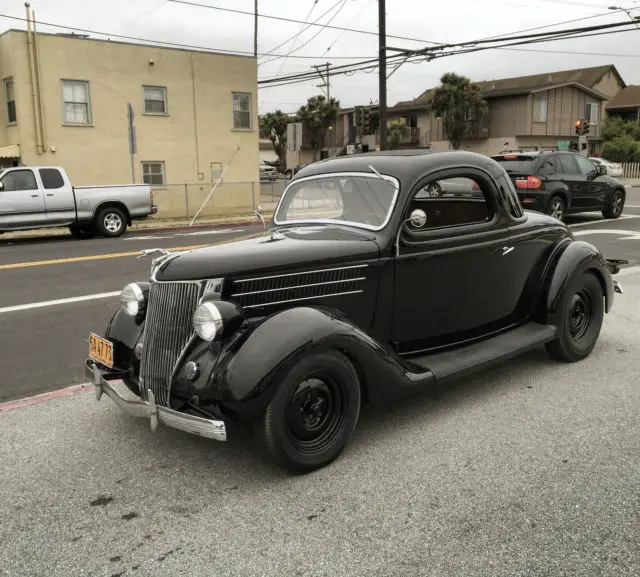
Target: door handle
[(49, 193), (35, 195), (506, 250)]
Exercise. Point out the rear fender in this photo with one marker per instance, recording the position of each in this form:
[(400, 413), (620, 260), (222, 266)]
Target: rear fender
[(248, 372), (575, 258)]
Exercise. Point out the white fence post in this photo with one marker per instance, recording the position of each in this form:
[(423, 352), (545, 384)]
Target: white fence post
[(631, 169)]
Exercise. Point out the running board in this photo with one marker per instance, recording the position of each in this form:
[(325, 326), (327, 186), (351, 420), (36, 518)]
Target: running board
[(472, 358)]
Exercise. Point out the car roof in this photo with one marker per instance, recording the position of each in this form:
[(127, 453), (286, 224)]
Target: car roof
[(531, 152)]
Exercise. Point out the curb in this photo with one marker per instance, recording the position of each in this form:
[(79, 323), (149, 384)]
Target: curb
[(44, 397)]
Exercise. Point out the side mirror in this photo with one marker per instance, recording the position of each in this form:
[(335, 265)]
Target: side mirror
[(602, 170), (418, 218)]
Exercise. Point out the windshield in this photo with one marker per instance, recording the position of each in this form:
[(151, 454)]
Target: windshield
[(361, 200)]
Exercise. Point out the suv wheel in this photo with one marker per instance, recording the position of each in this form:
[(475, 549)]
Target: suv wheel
[(615, 206), (557, 207)]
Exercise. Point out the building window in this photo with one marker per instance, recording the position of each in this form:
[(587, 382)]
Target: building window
[(155, 99), (540, 108), (242, 110), (153, 173), (10, 101), (76, 103), (592, 112)]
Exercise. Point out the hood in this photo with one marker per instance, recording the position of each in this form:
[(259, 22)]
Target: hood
[(288, 249)]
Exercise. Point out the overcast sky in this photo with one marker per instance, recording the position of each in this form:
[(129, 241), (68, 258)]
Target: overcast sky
[(426, 20)]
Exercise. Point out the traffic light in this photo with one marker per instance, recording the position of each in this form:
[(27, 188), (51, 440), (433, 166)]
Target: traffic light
[(582, 127), (585, 127), (366, 120)]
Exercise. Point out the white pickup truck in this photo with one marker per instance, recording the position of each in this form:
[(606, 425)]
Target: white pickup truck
[(42, 196)]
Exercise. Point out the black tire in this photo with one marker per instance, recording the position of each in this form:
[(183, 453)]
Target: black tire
[(288, 174), (579, 320), (111, 221), (82, 231), (313, 414), (616, 205), (557, 207)]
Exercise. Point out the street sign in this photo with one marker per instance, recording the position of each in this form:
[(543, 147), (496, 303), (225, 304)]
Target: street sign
[(563, 145), (294, 136)]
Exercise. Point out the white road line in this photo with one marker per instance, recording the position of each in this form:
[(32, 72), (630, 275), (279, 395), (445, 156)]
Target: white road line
[(203, 232), (632, 205), (607, 231), (144, 237), (58, 302), (604, 221)]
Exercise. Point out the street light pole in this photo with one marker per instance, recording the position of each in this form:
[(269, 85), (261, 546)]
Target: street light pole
[(627, 11), (382, 73)]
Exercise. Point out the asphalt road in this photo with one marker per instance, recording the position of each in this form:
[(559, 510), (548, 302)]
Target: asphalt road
[(528, 470), (43, 348)]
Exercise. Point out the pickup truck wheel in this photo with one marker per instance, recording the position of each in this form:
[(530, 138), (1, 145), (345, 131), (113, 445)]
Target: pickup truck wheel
[(82, 232), (111, 222), (579, 320), (615, 206), (313, 413)]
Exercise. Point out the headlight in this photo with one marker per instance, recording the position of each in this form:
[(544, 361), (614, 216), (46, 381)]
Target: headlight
[(207, 321), (132, 299)]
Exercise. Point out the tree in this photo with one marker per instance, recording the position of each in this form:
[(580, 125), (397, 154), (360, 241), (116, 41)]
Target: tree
[(316, 116), (457, 101), (273, 126), (622, 149), (614, 127), (395, 131)]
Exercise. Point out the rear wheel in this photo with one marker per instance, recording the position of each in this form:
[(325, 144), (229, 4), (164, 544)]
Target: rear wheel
[(579, 320), (615, 206), (433, 189), (557, 207), (111, 221), (313, 413)]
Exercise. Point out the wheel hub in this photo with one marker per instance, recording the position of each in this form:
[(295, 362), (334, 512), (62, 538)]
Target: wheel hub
[(579, 315)]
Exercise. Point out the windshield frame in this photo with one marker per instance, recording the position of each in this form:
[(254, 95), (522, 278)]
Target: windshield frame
[(391, 179)]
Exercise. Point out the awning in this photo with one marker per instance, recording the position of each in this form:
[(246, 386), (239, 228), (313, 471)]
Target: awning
[(10, 151)]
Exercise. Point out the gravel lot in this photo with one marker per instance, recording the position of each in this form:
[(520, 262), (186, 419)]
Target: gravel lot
[(531, 469)]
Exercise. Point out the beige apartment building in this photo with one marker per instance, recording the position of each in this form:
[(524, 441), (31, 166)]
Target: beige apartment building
[(65, 102)]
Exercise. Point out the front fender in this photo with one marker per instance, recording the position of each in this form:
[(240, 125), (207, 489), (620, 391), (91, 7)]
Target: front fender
[(576, 257), (124, 332), (248, 372)]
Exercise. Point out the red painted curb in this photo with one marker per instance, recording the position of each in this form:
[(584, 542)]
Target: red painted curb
[(196, 227), (45, 397)]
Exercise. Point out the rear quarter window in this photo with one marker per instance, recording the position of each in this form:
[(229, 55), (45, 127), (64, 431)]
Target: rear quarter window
[(51, 178), (516, 164)]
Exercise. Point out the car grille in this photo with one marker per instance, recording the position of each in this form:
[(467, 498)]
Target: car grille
[(167, 332), (271, 290)]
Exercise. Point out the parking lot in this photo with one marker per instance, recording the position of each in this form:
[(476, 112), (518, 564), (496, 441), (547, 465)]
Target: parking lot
[(530, 469)]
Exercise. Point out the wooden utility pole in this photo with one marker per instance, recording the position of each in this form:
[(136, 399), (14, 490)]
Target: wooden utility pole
[(382, 73), (326, 85), (255, 30)]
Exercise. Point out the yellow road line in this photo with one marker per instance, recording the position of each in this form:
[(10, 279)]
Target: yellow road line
[(106, 256)]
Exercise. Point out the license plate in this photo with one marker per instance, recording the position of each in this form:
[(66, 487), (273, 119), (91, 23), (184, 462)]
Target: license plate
[(101, 350)]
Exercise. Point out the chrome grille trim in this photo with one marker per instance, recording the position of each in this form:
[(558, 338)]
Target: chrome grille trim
[(299, 286), (168, 331)]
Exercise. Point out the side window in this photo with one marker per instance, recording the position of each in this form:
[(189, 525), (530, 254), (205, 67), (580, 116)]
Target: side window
[(453, 202), (585, 165), (510, 197), (568, 164), (51, 178), (19, 180), (548, 166)]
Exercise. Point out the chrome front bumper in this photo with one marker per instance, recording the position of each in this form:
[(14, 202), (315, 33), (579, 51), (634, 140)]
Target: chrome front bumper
[(209, 428), (617, 287)]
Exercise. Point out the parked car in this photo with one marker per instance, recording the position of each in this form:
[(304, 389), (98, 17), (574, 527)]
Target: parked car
[(372, 296), (613, 169), (43, 197), (291, 172), (561, 182), (267, 171)]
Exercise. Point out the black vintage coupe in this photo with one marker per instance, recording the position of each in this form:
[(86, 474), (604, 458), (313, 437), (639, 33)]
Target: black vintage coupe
[(366, 288)]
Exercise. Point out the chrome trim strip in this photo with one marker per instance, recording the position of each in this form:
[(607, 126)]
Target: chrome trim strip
[(290, 288), (392, 179), (209, 428), (302, 272), (301, 299)]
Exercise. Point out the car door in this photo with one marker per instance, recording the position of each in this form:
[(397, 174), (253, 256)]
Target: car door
[(574, 179), (452, 275), (596, 187), (58, 196), (21, 201)]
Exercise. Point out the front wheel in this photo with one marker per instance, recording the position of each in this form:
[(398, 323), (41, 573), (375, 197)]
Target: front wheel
[(111, 221), (313, 413), (615, 206), (579, 320)]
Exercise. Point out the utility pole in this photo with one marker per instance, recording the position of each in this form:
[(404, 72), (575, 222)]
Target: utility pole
[(382, 72), (326, 85), (255, 30)]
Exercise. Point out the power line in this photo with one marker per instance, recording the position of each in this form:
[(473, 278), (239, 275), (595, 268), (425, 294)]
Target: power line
[(302, 29), (283, 19)]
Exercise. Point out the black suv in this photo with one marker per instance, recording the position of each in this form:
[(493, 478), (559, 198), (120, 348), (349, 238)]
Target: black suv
[(561, 182)]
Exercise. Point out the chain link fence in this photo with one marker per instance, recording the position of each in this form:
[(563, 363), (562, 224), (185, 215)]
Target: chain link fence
[(228, 199)]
